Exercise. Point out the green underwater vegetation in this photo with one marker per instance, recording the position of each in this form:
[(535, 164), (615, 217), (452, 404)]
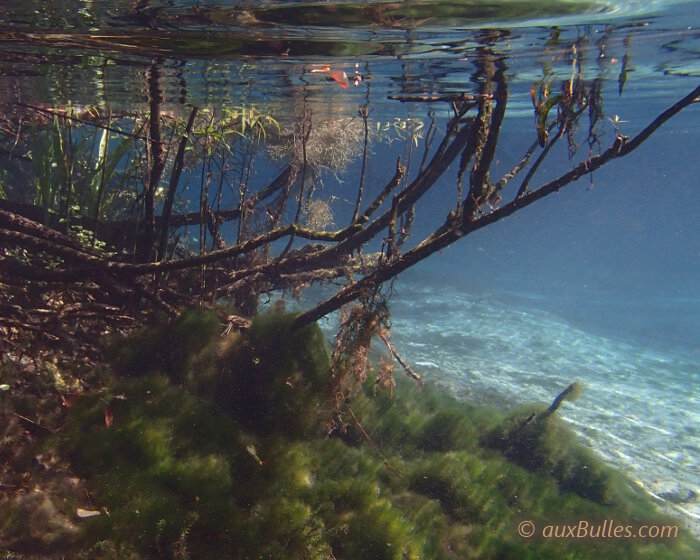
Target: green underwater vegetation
[(203, 445)]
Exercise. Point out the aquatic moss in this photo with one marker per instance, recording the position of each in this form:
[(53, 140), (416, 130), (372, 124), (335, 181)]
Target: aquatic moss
[(286, 528), (441, 432), (193, 470), (153, 470), (542, 443), (276, 379), (169, 347)]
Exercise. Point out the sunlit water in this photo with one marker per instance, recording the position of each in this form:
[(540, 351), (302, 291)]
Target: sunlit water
[(495, 338)]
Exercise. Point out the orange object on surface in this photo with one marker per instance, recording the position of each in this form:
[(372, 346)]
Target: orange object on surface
[(341, 77), (338, 74)]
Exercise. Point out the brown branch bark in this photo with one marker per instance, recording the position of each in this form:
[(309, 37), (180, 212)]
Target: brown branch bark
[(172, 187), (451, 145), (403, 363), (488, 123), (156, 160), (18, 223)]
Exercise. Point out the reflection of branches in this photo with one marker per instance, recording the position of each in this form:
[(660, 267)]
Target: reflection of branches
[(364, 114)]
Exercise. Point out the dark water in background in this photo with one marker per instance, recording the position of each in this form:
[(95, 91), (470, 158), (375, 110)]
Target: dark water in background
[(600, 282)]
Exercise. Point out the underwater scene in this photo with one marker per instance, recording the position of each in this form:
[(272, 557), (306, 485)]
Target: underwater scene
[(339, 280)]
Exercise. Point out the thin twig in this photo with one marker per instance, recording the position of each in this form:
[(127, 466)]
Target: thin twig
[(374, 446), (407, 368)]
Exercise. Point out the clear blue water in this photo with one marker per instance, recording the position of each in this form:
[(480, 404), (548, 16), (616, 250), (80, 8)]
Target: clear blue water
[(598, 283), (639, 408)]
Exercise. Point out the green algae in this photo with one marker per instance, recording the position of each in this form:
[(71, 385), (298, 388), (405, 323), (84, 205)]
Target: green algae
[(273, 381), (166, 347), (217, 449), (547, 446)]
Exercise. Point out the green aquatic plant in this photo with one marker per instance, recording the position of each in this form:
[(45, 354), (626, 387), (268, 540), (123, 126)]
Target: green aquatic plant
[(442, 431), (183, 467), (79, 170), (169, 347), (276, 378), (534, 438), (160, 470), (47, 150), (409, 129)]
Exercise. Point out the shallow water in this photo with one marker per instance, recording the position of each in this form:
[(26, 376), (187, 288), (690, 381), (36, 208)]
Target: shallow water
[(600, 282), (503, 350)]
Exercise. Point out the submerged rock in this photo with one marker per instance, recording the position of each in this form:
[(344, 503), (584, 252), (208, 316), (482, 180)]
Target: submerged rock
[(32, 522)]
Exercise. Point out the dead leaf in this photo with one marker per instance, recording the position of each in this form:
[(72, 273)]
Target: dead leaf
[(109, 418), (86, 513)]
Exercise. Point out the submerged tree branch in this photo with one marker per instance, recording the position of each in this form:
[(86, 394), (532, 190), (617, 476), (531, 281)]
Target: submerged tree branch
[(52, 273), (172, 187), (455, 227)]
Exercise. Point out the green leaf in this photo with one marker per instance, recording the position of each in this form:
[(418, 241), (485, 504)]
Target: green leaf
[(105, 169)]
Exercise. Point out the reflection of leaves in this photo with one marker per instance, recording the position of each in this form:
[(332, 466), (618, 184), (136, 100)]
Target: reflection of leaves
[(543, 103), (234, 123), (249, 119), (400, 129)]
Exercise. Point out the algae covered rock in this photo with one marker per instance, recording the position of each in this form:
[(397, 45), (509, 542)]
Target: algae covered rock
[(535, 438), (216, 451), (161, 470), (442, 431), (271, 377), (170, 446)]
